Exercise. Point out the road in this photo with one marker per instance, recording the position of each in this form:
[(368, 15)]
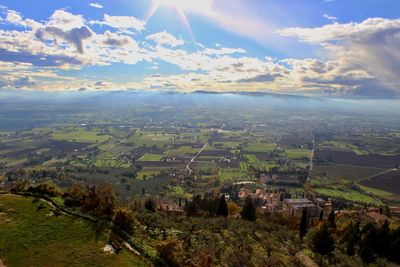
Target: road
[(311, 160), (194, 158)]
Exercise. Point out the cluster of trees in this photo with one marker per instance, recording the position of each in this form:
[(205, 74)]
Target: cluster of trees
[(213, 206), (98, 201), (372, 241), (47, 188)]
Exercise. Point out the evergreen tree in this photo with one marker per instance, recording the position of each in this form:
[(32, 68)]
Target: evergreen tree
[(249, 210), (191, 208), (150, 205), (331, 219), (384, 240), (222, 207), (322, 241), (351, 238), (368, 243), (303, 224)]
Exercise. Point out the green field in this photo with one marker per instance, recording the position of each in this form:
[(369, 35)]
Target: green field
[(251, 158), (151, 157), (348, 194), (244, 166), (80, 136), (149, 139), (376, 192), (183, 150), (31, 237), (234, 175), (298, 153), (260, 147)]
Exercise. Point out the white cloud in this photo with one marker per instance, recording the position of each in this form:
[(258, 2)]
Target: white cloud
[(15, 18), (370, 47), (328, 17), (164, 38), (122, 22), (223, 51), (96, 5), (65, 20), (359, 57)]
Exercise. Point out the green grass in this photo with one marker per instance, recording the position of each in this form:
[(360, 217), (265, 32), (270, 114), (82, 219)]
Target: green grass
[(80, 136), (251, 158), (183, 150), (234, 175), (260, 147), (111, 161), (298, 153), (376, 192), (32, 238), (348, 194), (151, 157), (149, 139), (227, 145), (244, 166)]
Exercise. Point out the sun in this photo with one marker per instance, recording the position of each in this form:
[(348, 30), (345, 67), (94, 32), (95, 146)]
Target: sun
[(182, 7)]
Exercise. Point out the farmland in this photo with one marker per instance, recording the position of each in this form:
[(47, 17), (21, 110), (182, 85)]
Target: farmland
[(388, 182), (154, 146)]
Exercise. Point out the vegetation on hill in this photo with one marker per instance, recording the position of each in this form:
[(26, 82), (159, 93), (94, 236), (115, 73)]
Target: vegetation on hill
[(33, 233), (204, 234)]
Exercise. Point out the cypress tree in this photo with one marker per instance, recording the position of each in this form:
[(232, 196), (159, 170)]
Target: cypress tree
[(149, 205), (303, 224), (322, 242), (222, 207), (331, 219), (249, 210)]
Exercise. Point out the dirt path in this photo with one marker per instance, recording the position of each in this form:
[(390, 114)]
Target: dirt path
[(375, 175), (2, 264), (311, 161), (194, 158)]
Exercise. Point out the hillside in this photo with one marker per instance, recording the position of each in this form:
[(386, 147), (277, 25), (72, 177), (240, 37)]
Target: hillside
[(29, 231)]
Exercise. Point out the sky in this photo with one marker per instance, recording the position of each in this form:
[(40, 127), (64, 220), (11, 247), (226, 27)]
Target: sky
[(332, 48)]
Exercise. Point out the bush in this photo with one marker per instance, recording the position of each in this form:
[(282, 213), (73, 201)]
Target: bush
[(123, 219)]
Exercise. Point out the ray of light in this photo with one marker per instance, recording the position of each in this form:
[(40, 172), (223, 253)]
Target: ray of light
[(178, 6)]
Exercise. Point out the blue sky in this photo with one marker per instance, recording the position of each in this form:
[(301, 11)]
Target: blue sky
[(340, 48)]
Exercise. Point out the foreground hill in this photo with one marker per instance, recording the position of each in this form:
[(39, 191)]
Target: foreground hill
[(29, 232)]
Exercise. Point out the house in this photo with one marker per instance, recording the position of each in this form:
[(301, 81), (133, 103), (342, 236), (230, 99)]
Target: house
[(394, 211), (169, 206), (295, 207), (323, 206), (376, 217)]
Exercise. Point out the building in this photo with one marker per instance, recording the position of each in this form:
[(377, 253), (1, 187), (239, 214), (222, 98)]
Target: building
[(323, 206), (169, 206), (295, 207)]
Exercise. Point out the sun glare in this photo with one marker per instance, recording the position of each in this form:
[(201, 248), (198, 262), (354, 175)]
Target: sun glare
[(182, 7)]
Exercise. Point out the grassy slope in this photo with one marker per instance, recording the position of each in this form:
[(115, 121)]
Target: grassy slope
[(30, 237)]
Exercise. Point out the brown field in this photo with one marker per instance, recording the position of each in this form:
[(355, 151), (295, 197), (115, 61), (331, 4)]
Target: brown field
[(351, 158), (389, 182), (348, 172)]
